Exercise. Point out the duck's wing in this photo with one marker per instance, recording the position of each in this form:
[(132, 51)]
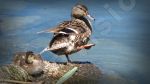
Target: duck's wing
[(57, 29)]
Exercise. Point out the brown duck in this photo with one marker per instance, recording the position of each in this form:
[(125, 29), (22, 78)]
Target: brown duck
[(29, 61), (72, 36)]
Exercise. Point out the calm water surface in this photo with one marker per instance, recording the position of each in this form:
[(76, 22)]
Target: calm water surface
[(121, 51)]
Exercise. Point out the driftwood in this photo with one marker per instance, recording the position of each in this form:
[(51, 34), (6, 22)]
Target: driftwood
[(51, 72), (87, 73)]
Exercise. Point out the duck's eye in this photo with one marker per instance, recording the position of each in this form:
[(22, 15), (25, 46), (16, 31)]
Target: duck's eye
[(82, 9), (34, 57)]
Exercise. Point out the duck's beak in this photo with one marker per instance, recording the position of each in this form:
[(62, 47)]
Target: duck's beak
[(90, 17)]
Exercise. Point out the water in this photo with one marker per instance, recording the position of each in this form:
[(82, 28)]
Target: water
[(121, 36)]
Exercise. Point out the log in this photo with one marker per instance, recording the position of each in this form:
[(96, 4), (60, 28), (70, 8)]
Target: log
[(48, 72), (87, 72)]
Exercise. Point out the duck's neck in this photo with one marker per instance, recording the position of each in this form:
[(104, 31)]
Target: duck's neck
[(87, 22)]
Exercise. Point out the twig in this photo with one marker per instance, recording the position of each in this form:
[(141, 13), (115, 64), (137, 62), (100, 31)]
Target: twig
[(14, 81)]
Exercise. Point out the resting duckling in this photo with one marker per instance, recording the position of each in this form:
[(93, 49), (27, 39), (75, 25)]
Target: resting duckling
[(72, 36), (32, 63)]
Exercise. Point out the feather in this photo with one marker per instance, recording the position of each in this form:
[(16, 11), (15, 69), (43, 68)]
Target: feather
[(75, 31), (56, 47)]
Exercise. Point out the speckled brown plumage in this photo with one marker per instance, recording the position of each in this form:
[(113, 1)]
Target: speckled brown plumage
[(72, 36)]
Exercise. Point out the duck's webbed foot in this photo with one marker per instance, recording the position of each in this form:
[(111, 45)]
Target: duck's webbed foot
[(87, 46)]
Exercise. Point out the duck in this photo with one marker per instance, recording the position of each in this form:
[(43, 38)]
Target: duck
[(29, 61), (73, 35)]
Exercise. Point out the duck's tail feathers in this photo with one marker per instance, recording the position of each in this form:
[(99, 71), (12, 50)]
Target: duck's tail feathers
[(44, 50), (47, 49), (53, 48)]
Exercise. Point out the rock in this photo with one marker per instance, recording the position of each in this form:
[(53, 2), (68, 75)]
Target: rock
[(25, 69), (13, 72), (87, 73)]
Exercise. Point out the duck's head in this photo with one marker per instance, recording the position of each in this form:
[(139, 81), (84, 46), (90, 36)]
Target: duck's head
[(34, 63), (80, 10)]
